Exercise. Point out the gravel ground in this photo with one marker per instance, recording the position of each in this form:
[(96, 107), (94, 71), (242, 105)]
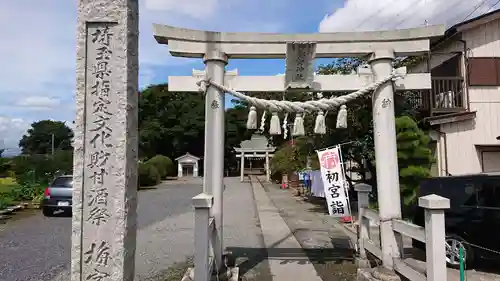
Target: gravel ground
[(327, 247), (38, 249)]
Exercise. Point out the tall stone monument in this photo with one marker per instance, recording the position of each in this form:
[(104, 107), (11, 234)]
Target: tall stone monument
[(105, 159)]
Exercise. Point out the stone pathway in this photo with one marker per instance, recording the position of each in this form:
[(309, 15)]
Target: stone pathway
[(242, 231), (325, 248)]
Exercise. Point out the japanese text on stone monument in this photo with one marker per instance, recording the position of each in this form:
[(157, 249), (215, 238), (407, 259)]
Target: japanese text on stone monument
[(100, 108)]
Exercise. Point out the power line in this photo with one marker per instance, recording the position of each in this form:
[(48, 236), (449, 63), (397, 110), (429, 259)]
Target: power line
[(475, 9), (404, 19), (447, 9), (453, 4), (372, 14), (399, 13), (496, 3)]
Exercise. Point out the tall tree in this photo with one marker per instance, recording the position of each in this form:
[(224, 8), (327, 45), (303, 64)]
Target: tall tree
[(39, 137), (170, 123), (2, 150), (359, 133), (414, 156), (236, 132)]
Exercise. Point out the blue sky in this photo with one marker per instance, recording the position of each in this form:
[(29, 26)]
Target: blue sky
[(38, 47)]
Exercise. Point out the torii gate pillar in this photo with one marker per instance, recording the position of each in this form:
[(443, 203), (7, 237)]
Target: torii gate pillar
[(213, 175), (384, 131)]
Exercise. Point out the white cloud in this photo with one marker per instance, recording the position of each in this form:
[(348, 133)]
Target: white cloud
[(39, 102), (194, 8), (363, 15), (38, 55), (11, 130)]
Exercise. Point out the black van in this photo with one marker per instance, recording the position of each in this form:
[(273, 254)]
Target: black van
[(473, 220)]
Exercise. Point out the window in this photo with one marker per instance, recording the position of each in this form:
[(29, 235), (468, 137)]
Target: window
[(63, 182), (484, 71), (489, 196), (472, 195)]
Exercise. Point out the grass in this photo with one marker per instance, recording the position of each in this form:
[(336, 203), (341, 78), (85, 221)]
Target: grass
[(7, 184), (174, 272)]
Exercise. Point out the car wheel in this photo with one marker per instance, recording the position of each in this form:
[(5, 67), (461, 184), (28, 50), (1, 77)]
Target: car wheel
[(453, 243), (48, 212)]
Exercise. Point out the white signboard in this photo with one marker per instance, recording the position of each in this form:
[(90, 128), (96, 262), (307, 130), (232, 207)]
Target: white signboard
[(333, 178)]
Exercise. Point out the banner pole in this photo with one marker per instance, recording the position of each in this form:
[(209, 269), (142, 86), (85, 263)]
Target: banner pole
[(346, 185)]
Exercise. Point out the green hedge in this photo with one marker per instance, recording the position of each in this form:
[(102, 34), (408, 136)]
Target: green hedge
[(148, 175), (163, 164)]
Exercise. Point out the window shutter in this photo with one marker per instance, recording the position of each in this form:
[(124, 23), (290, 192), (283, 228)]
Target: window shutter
[(484, 72), (497, 62)]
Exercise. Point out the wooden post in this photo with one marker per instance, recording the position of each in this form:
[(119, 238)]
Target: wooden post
[(435, 250)]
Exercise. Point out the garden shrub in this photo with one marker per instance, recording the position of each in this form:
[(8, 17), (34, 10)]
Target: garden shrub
[(148, 175), (26, 191), (5, 201), (163, 164)]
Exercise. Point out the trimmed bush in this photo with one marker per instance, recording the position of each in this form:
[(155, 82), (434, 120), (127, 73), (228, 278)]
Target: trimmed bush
[(163, 164), (148, 175), (5, 201)]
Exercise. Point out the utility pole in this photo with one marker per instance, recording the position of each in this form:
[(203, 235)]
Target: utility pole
[(52, 144)]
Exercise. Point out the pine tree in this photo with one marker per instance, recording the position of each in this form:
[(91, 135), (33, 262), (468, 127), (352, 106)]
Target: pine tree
[(414, 157)]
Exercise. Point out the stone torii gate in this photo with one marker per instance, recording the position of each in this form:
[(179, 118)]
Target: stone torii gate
[(381, 47)]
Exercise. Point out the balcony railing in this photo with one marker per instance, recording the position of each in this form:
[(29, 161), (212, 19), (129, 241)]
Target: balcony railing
[(446, 96)]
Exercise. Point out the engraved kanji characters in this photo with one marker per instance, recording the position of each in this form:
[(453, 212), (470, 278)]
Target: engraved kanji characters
[(386, 102), (101, 106), (97, 275), (103, 53), (98, 196), (101, 69), (99, 176), (102, 36), (101, 137), (214, 104), (98, 215), (101, 89), (100, 130), (98, 159), (98, 255)]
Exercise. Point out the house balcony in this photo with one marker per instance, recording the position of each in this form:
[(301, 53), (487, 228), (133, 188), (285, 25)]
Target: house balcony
[(446, 96)]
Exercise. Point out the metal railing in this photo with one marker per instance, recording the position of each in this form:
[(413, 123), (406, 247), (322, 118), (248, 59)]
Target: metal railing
[(433, 235)]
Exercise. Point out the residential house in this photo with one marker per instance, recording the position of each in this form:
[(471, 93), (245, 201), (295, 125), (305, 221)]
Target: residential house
[(463, 106)]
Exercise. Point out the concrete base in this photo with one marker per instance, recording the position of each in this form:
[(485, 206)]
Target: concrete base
[(362, 263), (231, 274), (377, 274)]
